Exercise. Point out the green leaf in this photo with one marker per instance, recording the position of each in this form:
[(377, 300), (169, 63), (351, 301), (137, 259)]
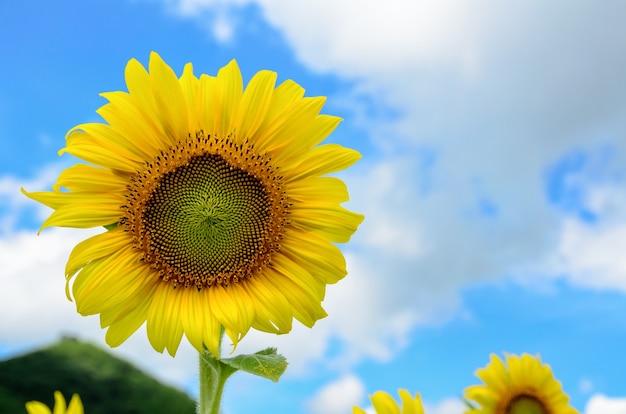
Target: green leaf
[(266, 363)]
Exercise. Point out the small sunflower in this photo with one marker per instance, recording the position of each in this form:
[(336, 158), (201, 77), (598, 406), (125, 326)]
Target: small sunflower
[(385, 404), (75, 407), (520, 385), (218, 208)]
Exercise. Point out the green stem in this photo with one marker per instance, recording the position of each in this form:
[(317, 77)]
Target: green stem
[(213, 376)]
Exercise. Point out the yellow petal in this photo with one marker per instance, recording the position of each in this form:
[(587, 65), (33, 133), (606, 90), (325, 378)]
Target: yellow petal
[(227, 94), (117, 290), (200, 316), (323, 159), (112, 139), (101, 156), (83, 214), (255, 103), (310, 134), (323, 259), (337, 224), (193, 313), (189, 85), (36, 407), (59, 403), (96, 247), (306, 308), (122, 323), (170, 103), (140, 88), (131, 121), (285, 96), (164, 324), (299, 275), (290, 126), (317, 192), (96, 287), (410, 405), (384, 403), (87, 178), (76, 405), (232, 308), (273, 310), (205, 111)]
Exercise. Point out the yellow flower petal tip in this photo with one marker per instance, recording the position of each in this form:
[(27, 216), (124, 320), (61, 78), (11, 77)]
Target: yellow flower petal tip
[(384, 403), (218, 206), (517, 385), (60, 407)]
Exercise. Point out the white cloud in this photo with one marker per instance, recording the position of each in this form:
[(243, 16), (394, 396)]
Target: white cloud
[(522, 61), (34, 287), (601, 404), (337, 397), (591, 254), (218, 17), (376, 37)]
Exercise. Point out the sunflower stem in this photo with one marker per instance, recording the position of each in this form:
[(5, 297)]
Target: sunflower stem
[(213, 376)]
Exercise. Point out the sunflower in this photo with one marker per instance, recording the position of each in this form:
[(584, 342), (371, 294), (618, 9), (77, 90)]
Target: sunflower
[(75, 407), (217, 203), (385, 404), (520, 385)]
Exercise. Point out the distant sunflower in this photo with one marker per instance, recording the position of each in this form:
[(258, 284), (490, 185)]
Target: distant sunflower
[(385, 404), (60, 407), (217, 202), (522, 385)]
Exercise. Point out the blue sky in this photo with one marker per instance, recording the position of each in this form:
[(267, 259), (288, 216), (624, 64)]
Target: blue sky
[(493, 183)]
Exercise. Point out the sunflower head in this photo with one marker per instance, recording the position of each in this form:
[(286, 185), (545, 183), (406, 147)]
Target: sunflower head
[(385, 404), (60, 407), (218, 204), (518, 385)]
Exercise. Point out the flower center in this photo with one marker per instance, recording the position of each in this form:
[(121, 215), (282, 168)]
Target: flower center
[(207, 212), (526, 404), (207, 217)]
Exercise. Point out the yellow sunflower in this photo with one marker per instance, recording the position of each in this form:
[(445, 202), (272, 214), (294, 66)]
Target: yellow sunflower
[(218, 208), (385, 404), (520, 385), (75, 407)]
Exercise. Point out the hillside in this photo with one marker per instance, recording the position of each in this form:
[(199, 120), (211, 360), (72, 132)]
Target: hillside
[(105, 383)]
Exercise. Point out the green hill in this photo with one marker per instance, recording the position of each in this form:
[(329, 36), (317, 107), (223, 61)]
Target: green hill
[(105, 384)]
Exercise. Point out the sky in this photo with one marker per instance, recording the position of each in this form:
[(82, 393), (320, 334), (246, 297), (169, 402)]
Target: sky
[(493, 181)]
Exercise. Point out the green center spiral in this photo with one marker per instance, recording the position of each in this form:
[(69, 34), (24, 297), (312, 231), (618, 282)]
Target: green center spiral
[(525, 404), (207, 219)]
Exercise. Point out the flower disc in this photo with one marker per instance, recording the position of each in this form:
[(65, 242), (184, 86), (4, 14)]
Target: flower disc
[(206, 219), (217, 202), (202, 220), (525, 404)]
